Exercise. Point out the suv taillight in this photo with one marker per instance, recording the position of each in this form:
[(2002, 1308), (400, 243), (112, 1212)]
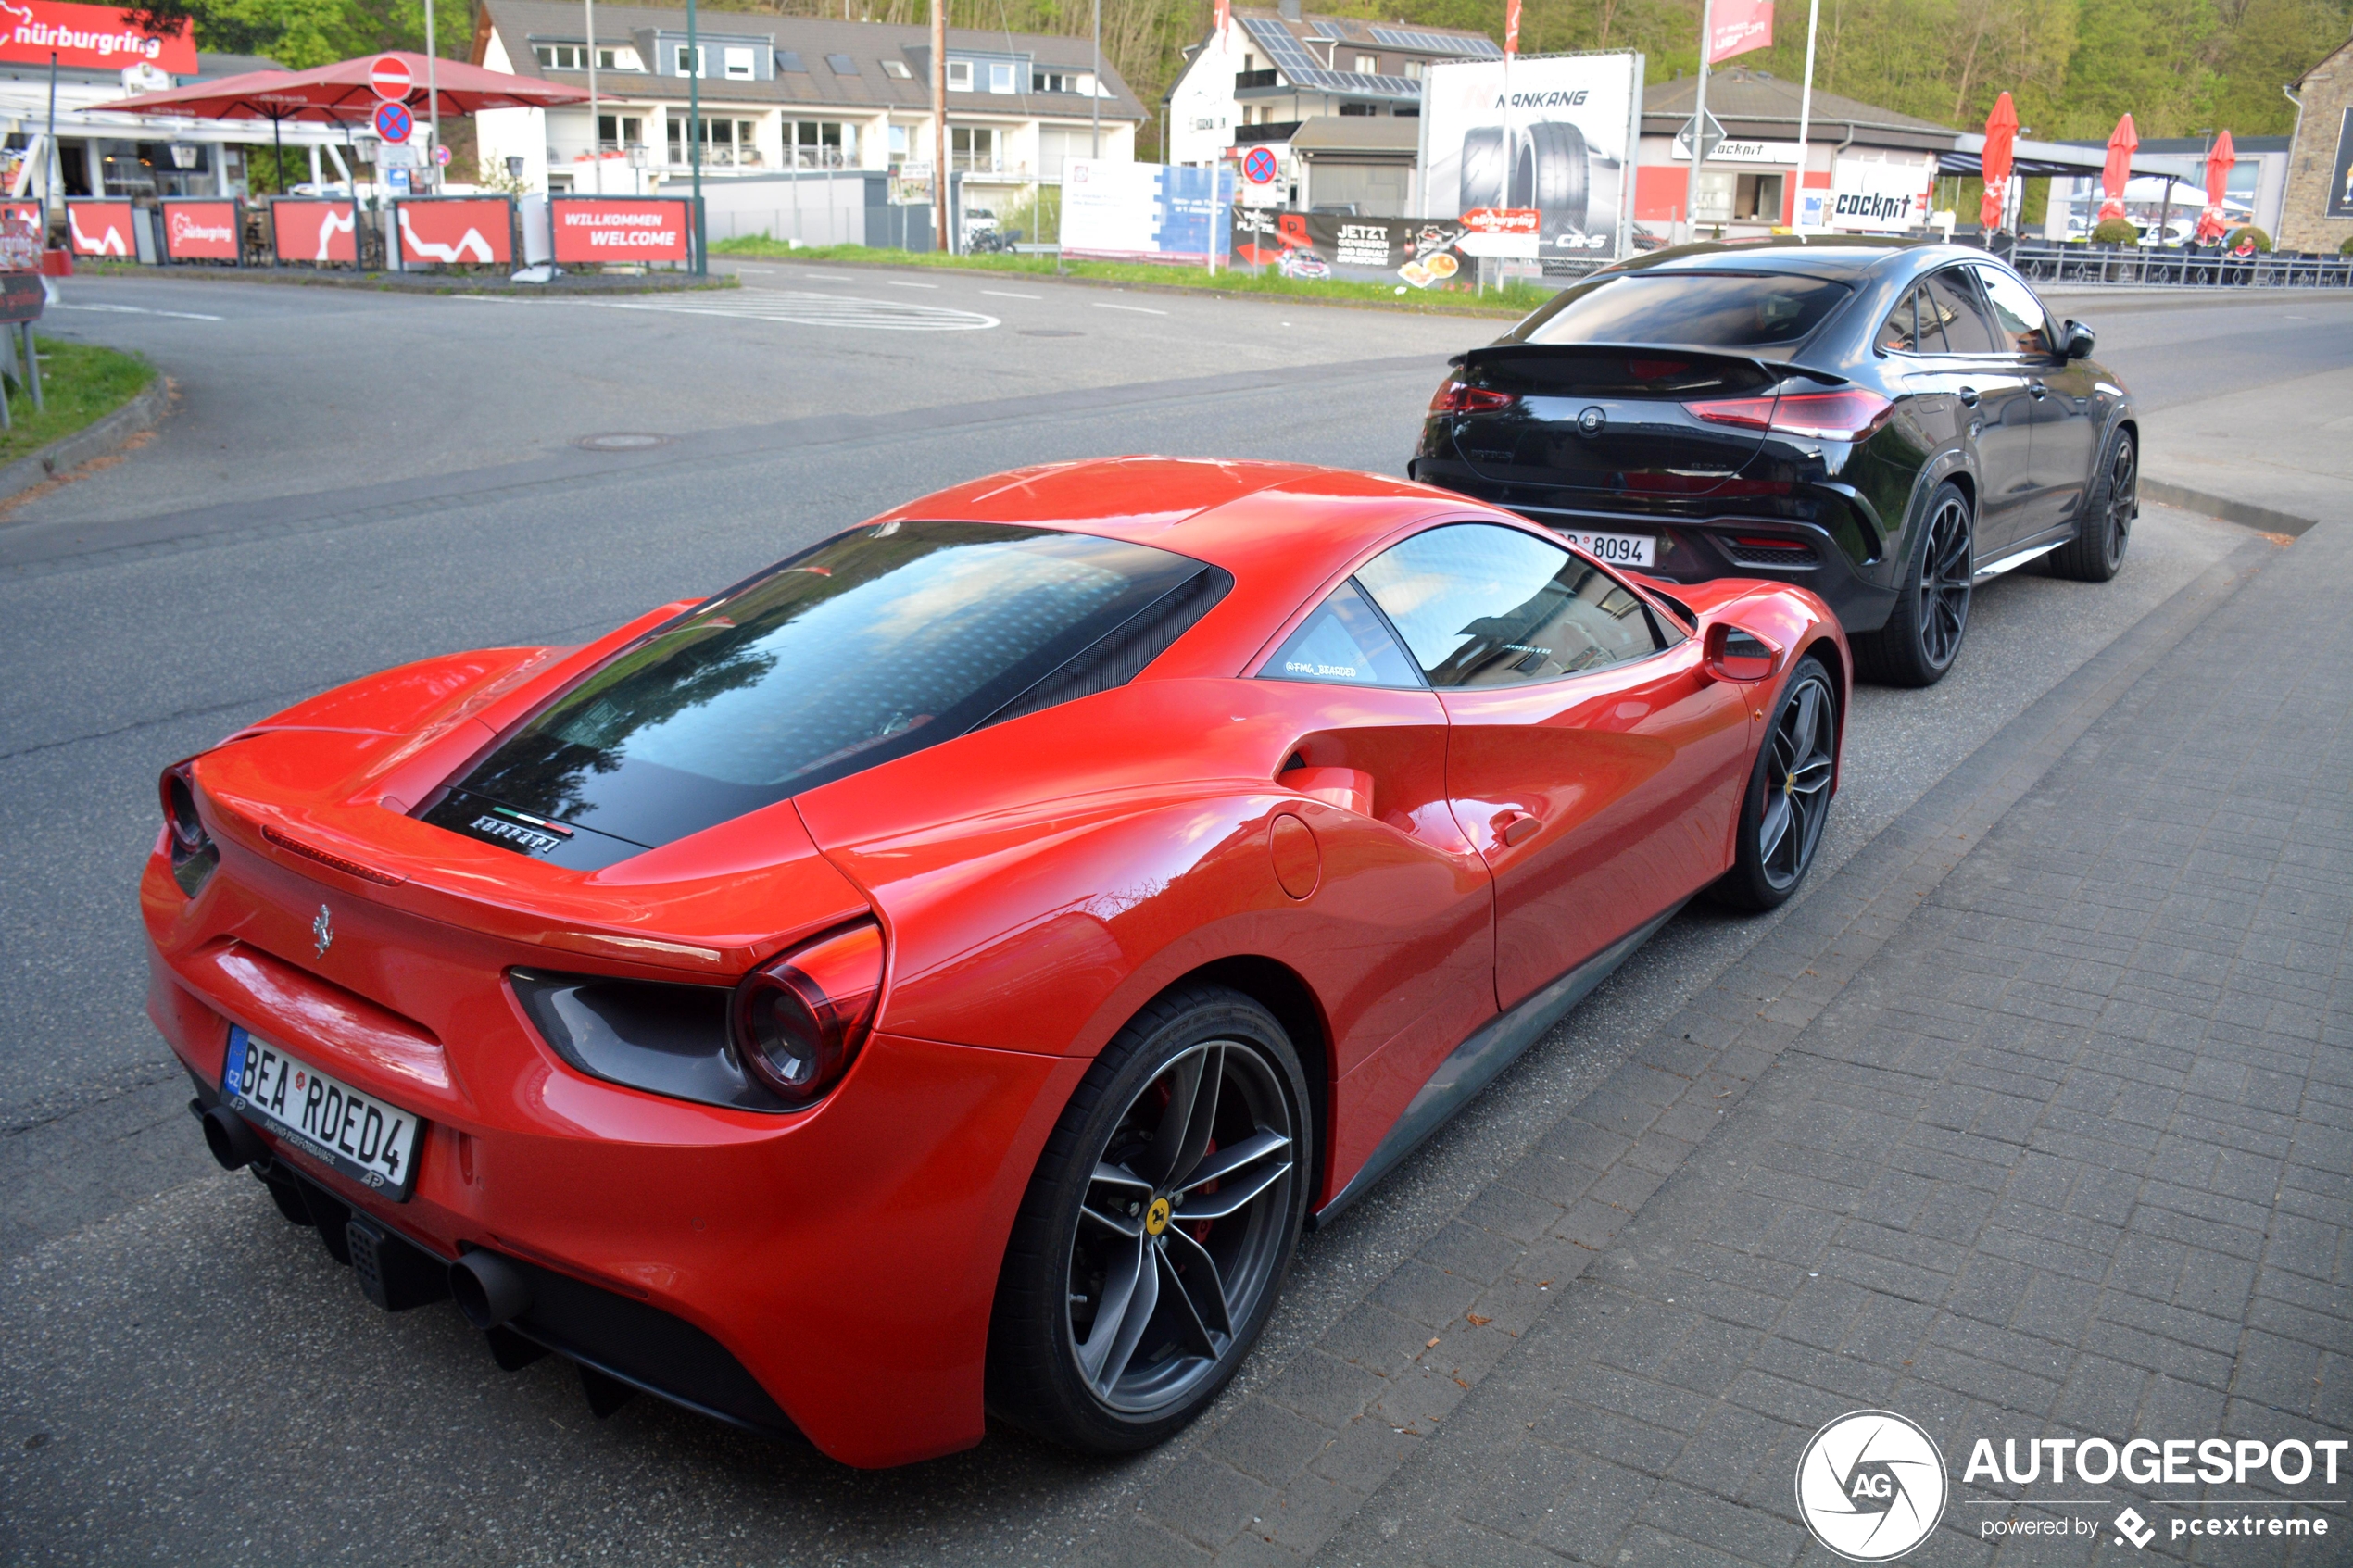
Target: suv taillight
[(1847, 415), (1460, 397), (193, 852), (798, 1019)]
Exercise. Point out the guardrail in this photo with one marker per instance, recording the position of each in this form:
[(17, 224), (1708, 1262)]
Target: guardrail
[(2049, 262)]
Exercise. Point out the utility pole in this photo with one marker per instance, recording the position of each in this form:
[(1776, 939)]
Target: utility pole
[(694, 138), (1805, 116), (1699, 121), (433, 110), (939, 123), (595, 121)]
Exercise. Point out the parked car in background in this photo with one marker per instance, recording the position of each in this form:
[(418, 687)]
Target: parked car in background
[(1887, 423)]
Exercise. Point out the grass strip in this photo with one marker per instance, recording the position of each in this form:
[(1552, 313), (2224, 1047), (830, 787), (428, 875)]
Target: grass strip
[(1515, 299), (81, 384)]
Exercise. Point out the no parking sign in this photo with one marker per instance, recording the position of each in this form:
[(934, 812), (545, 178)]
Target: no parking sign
[(393, 122), (1259, 166)]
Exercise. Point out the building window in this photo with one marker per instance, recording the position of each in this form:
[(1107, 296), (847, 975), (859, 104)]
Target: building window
[(973, 148), (842, 64), (1368, 64), (618, 59), (898, 136), (960, 76), (725, 142), (679, 66), (789, 59), (1059, 82), (1000, 76), (617, 133), (898, 68), (561, 56), (1413, 70), (820, 144), (740, 66), (1359, 109)]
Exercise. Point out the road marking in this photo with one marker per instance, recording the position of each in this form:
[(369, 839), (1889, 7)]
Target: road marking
[(791, 306), (1000, 294), (897, 284), (829, 277), (1139, 309), (140, 310)]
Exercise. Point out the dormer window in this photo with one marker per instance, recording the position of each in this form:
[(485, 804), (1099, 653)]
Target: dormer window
[(960, 76)]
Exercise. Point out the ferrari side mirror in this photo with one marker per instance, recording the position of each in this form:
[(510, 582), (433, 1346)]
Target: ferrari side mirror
[(2078, 340), (1734, 653)]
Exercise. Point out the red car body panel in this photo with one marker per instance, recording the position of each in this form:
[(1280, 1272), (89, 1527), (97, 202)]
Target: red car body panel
[(1037, 882)]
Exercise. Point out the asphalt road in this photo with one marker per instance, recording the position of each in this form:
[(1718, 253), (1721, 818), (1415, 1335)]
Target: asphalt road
[(354, 480)]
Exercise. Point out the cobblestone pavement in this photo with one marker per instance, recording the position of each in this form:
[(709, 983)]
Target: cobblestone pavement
[(2035, 1119)]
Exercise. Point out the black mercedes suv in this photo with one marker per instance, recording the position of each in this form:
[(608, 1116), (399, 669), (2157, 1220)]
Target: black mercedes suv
[(1889, 423)]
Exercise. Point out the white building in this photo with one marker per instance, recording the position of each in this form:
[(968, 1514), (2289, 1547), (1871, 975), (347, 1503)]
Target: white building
[(792, 92), (1255, 84)]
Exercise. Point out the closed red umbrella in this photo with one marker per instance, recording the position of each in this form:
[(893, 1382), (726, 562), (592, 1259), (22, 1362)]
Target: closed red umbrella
[(2219, 159), (2001, 130), (2122, 143)]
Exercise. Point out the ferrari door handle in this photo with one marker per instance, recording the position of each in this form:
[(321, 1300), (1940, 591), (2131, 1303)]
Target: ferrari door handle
[(1515, 827), (2038, 392), (1968, 397)]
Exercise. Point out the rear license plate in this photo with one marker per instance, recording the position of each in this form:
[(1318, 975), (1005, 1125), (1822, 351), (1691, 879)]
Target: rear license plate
[(1616, 549), (371, 1140)]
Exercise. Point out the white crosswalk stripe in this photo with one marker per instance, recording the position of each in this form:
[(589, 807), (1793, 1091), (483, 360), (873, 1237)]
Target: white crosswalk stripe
[(797, 308)]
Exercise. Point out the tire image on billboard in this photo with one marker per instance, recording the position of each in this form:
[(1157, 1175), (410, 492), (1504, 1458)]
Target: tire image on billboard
[(1560, 148)]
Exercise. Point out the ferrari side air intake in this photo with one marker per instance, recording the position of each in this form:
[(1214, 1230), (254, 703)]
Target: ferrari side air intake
[(488, 1289)]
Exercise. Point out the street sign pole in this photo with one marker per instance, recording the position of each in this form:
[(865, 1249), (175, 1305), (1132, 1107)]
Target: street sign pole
[(1804, 117), (694, 136), (595, 121), (1699, 121), (433, 93)]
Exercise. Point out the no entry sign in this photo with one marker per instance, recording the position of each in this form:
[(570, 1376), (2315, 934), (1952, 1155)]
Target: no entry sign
[(389, 76), (393, 122)]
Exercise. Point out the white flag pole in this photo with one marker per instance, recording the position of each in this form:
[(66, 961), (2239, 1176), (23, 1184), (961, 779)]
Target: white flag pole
[(1805, 118)]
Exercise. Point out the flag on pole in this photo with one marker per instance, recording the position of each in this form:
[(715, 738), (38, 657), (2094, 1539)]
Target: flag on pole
[(1739, 26), (1511, 28), (1224, 10)]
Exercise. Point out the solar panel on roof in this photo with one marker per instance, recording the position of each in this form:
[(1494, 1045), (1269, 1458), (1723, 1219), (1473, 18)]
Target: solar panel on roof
[(1462, 48), (789, 59), (1327, 29), (1302, 69)]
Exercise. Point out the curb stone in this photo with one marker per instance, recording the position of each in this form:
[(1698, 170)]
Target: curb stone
[(144, 411)]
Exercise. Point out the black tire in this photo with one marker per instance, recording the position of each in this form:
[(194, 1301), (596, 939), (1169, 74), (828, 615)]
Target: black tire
[(1788, 793), (1558, 180), (1118, 1218), (1923, 633), (1484, 168), (2097, 552)]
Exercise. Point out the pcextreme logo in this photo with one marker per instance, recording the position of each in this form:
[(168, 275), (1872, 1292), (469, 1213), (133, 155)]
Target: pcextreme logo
[(1871, 1485)]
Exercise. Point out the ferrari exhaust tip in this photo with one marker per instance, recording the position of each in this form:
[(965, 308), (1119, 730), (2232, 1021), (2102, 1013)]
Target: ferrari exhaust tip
[(488, 1289), (233, 1144)]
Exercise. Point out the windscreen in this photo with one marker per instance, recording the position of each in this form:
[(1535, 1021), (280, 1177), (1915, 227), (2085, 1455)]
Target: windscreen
[(1702, 310), (873, 644)]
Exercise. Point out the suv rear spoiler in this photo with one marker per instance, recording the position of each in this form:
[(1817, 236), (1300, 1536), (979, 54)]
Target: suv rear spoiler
[(1504, 353)]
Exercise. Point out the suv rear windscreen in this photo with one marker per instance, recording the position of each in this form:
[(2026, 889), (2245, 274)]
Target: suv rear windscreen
[(1702, 310), (873, 644)]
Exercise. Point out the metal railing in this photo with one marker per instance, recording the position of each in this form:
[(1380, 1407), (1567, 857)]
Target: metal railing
[(2048, 261)]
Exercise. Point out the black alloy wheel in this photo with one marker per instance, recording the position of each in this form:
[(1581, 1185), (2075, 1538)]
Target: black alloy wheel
[(2096, 553), (1788, 793), (1923, 632), (1158, 1229)]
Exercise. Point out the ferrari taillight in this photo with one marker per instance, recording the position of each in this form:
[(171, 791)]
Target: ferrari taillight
[(1846, 415), (1460, 397), (193, 852), (798, 1021)]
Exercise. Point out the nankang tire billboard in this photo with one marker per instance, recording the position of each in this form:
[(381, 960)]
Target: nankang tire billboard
[(1559, 145)]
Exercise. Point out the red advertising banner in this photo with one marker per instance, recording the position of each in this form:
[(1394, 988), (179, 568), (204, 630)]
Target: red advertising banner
[(592, 229), (29, 212), (99, 37), (1740, 26), (457, 231), (312, 231), (202, 231), (101, 228)]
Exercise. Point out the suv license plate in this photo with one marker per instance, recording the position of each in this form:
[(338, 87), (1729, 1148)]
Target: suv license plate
[(1612, 549), (370, 1140)]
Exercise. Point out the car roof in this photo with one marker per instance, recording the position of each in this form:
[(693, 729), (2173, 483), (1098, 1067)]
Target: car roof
[(1841, 257)]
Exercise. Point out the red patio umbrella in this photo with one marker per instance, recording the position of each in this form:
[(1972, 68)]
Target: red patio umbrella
[(2122, 143), (2219, 159), (342, 92), (2001, 130)]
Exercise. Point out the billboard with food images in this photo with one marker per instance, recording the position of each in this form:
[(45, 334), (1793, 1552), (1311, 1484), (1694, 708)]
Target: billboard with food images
[(1552, 132), (1416, 251)]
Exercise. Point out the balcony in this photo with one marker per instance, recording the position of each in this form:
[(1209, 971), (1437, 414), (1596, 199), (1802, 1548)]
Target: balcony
[(1255, 78), (1280, 131)]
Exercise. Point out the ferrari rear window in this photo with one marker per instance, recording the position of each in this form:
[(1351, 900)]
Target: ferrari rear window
[(1702, 310), (873, 644)]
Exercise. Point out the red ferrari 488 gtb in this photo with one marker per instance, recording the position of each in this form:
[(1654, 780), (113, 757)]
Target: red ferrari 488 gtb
[(944, 972)]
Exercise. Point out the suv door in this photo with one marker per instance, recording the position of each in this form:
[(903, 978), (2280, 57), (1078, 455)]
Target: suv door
[(2059, 393), (1590, 759), (1996, 407)]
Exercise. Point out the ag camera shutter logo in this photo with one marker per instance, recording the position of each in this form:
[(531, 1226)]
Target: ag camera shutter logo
[(1871, 1485)]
